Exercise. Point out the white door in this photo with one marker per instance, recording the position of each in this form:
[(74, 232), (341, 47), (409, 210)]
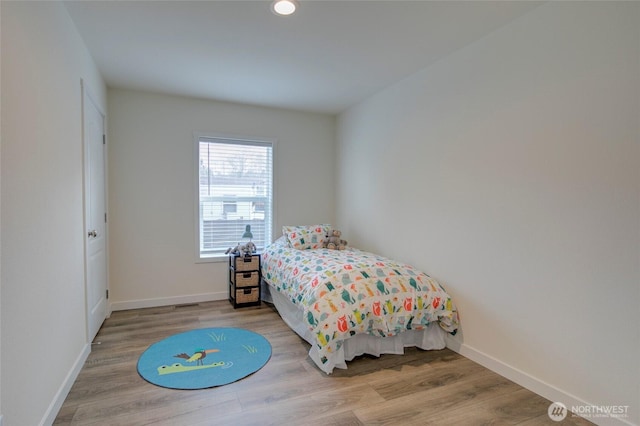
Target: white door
[(95, 215)]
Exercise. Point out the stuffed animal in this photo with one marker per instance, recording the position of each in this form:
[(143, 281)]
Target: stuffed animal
[(249, 248), (333, 240), (242, 249)]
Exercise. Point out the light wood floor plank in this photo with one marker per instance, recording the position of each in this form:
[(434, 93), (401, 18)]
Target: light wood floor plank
[(418, 388)]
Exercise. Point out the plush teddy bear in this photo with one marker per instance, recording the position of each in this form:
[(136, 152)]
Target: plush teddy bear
[(242, 249), (333, 240)]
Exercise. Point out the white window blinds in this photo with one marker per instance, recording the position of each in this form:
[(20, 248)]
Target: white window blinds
[(235, 187)]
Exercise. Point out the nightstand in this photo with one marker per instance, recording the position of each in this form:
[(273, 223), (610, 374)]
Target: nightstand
[(244, 280)]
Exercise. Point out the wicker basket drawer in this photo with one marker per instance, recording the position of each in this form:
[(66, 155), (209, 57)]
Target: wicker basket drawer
[(241, 263), (245, 279), (247, 295)]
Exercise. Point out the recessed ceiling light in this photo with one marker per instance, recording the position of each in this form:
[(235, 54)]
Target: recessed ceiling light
[(284, 7)]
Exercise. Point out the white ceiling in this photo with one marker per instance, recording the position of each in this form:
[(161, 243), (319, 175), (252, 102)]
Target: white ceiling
[(328, 56)]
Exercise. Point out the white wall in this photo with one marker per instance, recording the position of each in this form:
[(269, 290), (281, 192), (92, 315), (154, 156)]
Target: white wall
[(43, 305), (152, 188), (1, 417), (510, 171)]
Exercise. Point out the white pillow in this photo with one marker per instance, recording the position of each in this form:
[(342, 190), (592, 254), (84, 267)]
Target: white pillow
[(305, 237)]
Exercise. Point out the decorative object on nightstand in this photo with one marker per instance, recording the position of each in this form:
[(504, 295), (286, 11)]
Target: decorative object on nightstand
[(245, 250), (244, 279), (247, 233), (249, 248)]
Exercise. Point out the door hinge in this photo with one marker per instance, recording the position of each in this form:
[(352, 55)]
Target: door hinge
[(105, 218), (107, 293), (104, 139)]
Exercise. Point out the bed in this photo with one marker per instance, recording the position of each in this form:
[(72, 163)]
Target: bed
[(347, 303)]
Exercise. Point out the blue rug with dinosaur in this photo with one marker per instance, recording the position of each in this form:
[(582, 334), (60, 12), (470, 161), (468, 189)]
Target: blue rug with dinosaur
[(204, 358)]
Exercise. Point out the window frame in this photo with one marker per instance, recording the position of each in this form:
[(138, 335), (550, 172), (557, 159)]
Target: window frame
[(197, 137)]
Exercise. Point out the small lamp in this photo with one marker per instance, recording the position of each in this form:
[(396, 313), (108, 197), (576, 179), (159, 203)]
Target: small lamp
[(247, 233)]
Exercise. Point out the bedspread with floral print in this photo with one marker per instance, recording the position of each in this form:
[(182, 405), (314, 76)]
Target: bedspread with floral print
[(346, 292)]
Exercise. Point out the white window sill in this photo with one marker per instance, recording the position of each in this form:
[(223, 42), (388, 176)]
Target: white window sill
[(216, 258)]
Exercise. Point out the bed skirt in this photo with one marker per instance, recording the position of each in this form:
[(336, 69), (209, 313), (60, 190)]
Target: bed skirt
[(431, 338)]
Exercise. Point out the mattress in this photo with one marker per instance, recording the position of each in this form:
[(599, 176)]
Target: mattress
[(431, 337), (348, 303)]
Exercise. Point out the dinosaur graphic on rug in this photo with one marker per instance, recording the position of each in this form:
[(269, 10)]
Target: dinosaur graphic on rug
[(179, 368), (204, 358), (197, 356)]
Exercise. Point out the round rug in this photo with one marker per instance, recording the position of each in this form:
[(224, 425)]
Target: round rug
[(204, 358)]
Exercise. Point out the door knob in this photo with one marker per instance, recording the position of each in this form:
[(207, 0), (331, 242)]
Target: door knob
[(93, 233)]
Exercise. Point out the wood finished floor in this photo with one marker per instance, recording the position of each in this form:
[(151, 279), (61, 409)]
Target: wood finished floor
[(418, 388)]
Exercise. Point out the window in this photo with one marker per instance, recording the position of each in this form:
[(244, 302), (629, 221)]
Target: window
[(229, 207), (235, 189)]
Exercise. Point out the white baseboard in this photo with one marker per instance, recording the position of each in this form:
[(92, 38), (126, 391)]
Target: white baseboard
[(63, 391), (529, 382), (165, 301)]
